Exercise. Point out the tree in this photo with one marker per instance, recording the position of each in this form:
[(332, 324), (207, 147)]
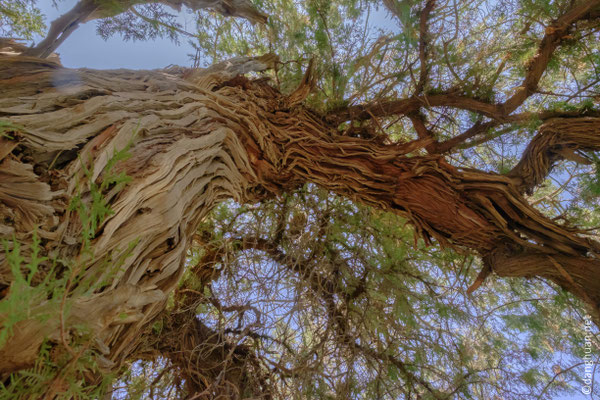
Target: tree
[(108, 175)]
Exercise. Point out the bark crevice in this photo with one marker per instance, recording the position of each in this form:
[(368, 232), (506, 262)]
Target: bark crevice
[(197, 141)]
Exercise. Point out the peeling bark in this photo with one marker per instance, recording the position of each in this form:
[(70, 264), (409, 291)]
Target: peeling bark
[(186, 157), (210, 136), (558, 139)]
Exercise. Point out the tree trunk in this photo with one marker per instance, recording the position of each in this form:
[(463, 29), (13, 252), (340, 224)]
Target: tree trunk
[(186, 156), (197, 140)]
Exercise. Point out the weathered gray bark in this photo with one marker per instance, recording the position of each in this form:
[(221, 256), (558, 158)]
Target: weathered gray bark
[(187, 155), (209, 137)]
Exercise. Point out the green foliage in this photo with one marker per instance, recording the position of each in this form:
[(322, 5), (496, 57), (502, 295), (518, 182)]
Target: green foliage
[(62, 378), (94, 212), (592, 181), (403, 305), (349, 305), (20, 18), (147, 21), (17, 306), (59, 372), (7, 127)]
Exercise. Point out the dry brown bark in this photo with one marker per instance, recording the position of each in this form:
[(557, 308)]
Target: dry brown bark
[(208, 364), (554, 35), (206, 136), (186, 157)]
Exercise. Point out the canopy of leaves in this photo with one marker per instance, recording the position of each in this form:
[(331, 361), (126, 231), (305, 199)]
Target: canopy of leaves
[(20, 18), (338, 301)]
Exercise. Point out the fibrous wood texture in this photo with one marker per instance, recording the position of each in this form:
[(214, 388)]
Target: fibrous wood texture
[(560, 138), (186, 156), (198, 138)]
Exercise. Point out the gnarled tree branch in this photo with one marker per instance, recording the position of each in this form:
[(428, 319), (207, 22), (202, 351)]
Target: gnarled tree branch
[(557, 139), (499, 112), (88, 10)]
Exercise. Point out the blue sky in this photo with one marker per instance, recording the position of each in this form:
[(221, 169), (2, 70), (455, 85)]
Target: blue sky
[(85, 48)]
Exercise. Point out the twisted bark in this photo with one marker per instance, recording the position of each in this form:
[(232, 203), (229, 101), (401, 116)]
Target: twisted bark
[(210, 137), (558, 139), (186, 156)]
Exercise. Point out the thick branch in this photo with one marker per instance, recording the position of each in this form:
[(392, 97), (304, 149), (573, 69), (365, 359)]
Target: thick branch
[(418, 121), (62, 27), (184, 159), (214, 138), (500, 112), (576, 274), (475, 130), (481, 128), (406, 106), (555, 33), (557, 139), (423, 44)]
